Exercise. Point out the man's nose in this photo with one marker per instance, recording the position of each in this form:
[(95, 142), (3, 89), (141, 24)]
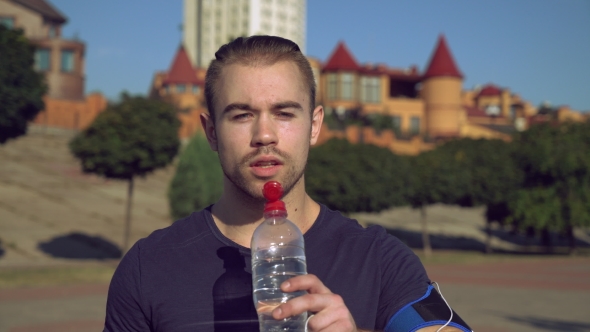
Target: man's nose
[(264, 131)]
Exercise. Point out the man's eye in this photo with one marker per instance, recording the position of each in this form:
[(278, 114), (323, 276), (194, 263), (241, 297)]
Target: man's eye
[(285, 115), (242, 116)]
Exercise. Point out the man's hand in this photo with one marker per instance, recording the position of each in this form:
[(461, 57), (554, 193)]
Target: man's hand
[(331, 314)]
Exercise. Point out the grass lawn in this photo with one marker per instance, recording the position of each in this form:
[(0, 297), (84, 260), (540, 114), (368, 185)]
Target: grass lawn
[(55, 276)]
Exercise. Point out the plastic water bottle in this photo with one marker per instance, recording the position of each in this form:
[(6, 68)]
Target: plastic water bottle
[(278, 254)]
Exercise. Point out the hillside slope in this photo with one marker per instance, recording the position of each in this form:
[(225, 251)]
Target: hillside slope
[(52, 213)]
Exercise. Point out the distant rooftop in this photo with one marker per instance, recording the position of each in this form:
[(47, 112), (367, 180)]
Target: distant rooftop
[(341, 59), (182, 71), (490, 90), (44, 8), (442, 62)]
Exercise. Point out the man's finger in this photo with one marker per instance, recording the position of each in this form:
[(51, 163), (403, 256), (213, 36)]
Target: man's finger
[(329, 321), (308, 302), (307, 282)]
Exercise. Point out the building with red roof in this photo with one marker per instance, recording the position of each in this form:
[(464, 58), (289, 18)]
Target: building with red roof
[(418, 107), (182, 84), (427, 104), (430, 105), (341, 60), (60, 60), (182, 71)]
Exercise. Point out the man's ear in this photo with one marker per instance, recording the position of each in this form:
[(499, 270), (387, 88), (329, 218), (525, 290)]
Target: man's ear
[(209, 128), (317, 119)]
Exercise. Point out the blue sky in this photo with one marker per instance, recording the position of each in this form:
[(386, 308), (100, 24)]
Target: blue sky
[(539, 49)]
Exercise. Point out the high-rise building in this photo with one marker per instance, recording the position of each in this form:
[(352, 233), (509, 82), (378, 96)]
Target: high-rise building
[(208, 24)]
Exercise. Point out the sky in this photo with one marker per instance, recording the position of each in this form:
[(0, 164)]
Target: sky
[(539, 49)]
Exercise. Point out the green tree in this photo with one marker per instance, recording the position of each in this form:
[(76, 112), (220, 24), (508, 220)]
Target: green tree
[(356, 177), (492, 175), (556, 191), (198, 181), (436, 176), (21, 87), (129, 139)]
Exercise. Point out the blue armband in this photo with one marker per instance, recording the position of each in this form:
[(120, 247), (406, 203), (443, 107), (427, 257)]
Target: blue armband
[(428, 310)]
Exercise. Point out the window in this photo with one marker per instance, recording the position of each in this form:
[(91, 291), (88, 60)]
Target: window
[(370, 89), (332, 87), (347, 86), (67, 61), (396, 123), (42, 59), (7, 22), (180, 88), (196, 89), (415, 125), (375, 90)]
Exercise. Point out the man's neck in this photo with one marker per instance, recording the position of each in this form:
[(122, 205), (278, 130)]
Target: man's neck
[(237, 215)]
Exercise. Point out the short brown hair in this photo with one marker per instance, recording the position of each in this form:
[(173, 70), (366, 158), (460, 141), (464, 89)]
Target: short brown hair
[(254, 51)]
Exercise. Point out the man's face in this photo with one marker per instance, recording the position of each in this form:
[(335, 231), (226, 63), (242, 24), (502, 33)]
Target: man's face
[(263, 126)]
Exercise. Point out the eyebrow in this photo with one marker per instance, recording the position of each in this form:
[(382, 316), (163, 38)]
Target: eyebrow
[(287, 104), (277, 106)]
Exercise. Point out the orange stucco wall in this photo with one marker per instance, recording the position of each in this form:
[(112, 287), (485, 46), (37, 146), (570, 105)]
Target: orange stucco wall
[(71, 114), (442, 96), (386, 139), (468, 98), (475, 131), (406, 109), (190, 122), (564, 114)]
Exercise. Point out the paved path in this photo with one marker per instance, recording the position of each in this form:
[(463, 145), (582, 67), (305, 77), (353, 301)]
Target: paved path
[(539, 295)]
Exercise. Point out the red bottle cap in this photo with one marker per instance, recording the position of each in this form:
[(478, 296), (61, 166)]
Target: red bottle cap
[(272, 191)]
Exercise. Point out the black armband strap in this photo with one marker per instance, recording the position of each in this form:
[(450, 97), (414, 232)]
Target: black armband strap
[(428, 310)]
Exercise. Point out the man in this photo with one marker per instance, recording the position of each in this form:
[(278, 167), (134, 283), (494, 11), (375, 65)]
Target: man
[(195, 274)]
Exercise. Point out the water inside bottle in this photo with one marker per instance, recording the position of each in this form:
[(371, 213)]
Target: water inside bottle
[(268, 275)]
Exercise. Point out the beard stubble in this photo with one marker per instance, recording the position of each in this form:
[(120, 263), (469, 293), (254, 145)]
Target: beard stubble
[(236, 174)]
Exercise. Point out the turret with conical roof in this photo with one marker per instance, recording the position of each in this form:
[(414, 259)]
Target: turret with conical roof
[(181, 70), (441, 91), (339, 87), (341, 59), (182, 84)]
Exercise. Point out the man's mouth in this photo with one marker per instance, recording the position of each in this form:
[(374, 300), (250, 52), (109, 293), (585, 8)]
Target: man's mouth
[(266, 164)]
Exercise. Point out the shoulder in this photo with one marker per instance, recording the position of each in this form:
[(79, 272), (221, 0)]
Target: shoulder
[(335, 224), (393, 257), (345, 235)]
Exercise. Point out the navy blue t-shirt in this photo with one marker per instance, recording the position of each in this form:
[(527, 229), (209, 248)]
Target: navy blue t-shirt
[(190, 277)]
